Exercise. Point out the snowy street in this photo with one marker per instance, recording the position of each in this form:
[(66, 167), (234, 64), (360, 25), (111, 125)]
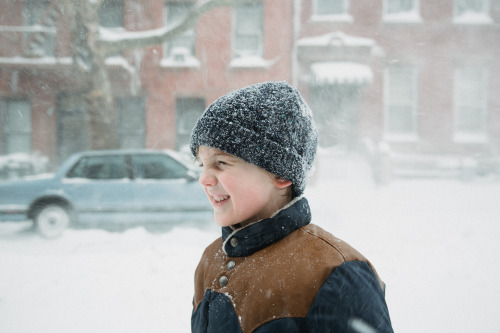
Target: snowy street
[(435, 243)]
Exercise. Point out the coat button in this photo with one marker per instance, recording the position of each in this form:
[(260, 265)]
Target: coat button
[(223, 281), (230, 265), (234, 242)]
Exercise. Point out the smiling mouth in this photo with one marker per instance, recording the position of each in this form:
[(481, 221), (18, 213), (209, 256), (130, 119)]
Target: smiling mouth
[(218, 199), (221, 198)]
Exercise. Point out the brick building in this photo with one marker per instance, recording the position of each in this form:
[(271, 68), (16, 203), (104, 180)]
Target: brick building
[(419, 76)]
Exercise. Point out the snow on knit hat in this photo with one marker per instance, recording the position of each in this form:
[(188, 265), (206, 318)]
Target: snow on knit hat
[(267, 124)]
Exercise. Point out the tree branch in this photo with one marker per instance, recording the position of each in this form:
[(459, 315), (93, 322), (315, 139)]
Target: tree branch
[(114, 42)]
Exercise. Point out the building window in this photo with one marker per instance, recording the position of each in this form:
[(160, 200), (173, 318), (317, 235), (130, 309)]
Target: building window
[(248, 31), (180, 51), (399, 6), (16, 126), (401, 11), (41, 39), (329, 7), (472, 12), (331, 10), (471, 103), (187, 110), (111, 14), (72, 125), (130, 113), (401, 103)]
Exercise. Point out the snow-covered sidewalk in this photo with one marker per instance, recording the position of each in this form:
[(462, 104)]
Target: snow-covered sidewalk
[(436, 244)]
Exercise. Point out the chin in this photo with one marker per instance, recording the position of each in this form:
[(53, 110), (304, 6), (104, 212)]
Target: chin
[(222, 222)]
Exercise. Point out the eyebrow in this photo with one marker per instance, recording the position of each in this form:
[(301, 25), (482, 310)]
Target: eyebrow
[(222, 154)]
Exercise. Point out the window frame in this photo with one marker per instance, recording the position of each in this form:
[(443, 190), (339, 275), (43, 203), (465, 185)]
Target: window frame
[(402, 16), (124, 133), (345, 16), (411, 135), (468, 17), (33, 13), (460, 135), (8, 132), (171, 57), (121, 25), (183, 133), (258, 53)]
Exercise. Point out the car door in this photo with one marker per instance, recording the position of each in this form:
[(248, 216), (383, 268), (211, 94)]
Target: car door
[(166, 191), (100, 189)]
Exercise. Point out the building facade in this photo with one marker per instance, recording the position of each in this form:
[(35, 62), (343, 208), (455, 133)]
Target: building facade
[(418, 76)]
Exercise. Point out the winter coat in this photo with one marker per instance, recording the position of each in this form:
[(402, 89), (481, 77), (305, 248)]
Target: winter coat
[(283, 274)]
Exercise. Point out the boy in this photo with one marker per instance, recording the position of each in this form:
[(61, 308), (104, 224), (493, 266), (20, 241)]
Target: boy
[(273, 271)]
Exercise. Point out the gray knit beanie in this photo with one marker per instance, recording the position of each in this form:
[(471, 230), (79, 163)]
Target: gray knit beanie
[(267, 124)]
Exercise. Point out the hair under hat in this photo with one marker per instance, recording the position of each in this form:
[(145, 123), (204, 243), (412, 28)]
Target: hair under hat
[(267, 124)]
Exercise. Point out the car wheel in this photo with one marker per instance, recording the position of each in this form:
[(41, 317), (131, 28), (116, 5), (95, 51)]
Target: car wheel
[(52, 220)]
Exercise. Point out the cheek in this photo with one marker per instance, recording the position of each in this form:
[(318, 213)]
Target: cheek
[(247, 188), (206, 192), (257, 191), (238, 192)]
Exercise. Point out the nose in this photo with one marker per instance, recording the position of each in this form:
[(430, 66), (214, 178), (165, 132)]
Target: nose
[(207, 178)]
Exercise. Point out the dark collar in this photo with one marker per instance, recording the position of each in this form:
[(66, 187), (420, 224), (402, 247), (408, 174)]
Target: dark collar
[(254, 237)]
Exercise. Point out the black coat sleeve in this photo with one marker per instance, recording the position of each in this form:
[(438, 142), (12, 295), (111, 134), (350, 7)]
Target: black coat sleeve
[(350, 300)]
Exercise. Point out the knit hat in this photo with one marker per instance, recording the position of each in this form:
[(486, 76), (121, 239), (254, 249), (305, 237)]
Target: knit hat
[(267, 124)]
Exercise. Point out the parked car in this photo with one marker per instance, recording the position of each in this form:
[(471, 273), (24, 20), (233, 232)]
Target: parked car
[(112, 189)]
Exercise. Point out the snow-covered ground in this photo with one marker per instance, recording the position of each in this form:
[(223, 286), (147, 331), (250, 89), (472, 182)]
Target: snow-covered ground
[(436, 243)]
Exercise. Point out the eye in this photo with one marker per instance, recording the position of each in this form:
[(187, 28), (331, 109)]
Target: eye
[(221, 163)]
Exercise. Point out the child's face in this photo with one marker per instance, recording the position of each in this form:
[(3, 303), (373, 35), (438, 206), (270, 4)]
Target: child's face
[(240, 192)]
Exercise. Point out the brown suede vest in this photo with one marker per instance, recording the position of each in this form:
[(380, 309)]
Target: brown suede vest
[(278, 281)]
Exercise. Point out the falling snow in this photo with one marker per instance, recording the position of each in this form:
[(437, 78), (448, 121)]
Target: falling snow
[(433, 242)]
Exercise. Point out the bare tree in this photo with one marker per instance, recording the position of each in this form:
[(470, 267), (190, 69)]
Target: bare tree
[(92, 44)]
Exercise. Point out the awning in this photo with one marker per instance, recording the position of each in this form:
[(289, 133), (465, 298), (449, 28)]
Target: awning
[(337, 39), (339, 72)]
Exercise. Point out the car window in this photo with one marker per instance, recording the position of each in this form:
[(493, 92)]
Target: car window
[(157, 167), (100, 167)]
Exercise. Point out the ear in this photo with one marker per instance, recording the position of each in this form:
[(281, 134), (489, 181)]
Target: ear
[(281, 183)]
